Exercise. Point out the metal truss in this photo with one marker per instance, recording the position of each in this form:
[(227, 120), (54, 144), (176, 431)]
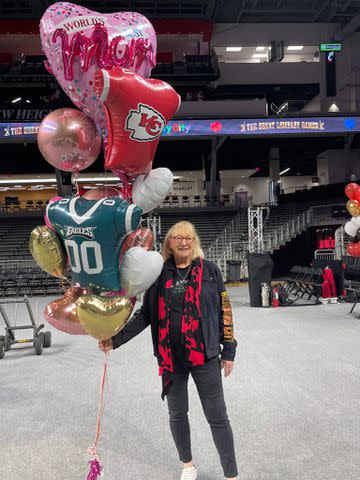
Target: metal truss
[(153, 223), (255, 224)]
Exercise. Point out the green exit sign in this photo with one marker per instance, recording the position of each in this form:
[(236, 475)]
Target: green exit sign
[(330, 47)]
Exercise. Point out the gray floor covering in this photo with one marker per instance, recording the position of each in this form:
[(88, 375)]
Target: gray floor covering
[(293, 401)]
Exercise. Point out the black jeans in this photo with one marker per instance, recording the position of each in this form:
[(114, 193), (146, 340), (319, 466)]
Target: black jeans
[(208, 382)]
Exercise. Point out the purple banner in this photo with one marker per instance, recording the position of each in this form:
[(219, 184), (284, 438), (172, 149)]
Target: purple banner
[(21, 131), (263, 126), (234, 126)]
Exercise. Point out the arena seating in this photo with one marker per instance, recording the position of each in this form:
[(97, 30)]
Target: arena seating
[(328, 202), (14, 237), (207, 235), (333, 193), (19, 274)]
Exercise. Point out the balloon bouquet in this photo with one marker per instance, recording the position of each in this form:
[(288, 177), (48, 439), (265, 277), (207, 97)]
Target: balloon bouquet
[(102, 62), (352, 191)]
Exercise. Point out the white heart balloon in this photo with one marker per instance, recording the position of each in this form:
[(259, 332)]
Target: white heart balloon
[(150, 190), (355, 221), (139, 270), (351, 229)]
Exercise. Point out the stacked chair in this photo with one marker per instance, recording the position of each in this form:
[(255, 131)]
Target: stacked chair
[(305, 282), (352, 278)]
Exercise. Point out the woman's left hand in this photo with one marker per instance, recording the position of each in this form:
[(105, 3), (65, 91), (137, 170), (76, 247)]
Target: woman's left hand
[(228, 366)]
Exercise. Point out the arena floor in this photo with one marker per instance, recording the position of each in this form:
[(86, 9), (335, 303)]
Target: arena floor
[(293, 401)]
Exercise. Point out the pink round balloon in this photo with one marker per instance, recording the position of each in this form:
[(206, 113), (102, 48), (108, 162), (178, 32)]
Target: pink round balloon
[(77, 41), (69, 140)]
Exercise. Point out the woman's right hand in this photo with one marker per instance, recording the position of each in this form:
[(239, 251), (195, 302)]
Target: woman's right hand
[(106, 345)]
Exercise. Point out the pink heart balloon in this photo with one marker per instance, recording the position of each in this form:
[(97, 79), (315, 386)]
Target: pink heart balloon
[(77, 41)]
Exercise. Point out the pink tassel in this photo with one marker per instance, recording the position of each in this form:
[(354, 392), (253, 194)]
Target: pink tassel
[(95, 463), (95, 469)]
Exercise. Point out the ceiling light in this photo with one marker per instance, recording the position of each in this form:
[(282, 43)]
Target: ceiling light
[(52, 180), (233, 49), (17, 99), (26, 181), (284, 171), (27, 101), (98, 179), (295, 48), (334, 108), (260, 49), (259, 55)]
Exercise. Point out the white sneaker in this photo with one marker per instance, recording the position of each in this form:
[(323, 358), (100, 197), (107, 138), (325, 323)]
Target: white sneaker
[(189, 474)]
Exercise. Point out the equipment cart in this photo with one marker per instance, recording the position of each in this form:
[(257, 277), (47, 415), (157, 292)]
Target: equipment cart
[(39, 340)]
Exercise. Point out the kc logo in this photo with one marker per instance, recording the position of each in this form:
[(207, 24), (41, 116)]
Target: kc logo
[(145, 123)]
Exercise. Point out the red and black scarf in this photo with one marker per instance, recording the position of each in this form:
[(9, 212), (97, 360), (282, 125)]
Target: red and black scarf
[(190, 327)]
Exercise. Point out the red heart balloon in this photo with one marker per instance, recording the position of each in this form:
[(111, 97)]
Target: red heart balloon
[(353, 249), (351, 190), (137, 111)]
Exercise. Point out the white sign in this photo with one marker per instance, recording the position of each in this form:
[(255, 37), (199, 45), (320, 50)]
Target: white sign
[(184, 188)]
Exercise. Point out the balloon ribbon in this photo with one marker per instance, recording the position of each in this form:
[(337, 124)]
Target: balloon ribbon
[(95, 462)]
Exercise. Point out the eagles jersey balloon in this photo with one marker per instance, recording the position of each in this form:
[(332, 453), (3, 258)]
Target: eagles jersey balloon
[(93, 232)]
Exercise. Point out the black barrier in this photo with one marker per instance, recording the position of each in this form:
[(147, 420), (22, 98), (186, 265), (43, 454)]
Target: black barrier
[(352, 268), (337, 269), (233, 270), (260, 268)]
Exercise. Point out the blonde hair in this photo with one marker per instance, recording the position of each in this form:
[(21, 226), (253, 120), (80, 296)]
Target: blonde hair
[(182, 227)]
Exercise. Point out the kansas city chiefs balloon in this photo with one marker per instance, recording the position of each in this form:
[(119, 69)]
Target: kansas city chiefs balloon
[(137, 111)]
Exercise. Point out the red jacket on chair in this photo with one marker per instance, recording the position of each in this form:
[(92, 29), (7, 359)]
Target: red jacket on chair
[(328, 286)]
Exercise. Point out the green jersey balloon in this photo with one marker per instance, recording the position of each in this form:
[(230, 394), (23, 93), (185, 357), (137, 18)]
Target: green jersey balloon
[(93, 232)]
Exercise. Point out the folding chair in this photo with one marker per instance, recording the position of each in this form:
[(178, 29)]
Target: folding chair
[(185, 201), (317, 281), (197, 201), (166, 202), (292, 277), (299, 286), (174, 201), (306, 283)]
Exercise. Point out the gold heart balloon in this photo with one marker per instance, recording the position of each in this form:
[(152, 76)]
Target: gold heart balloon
[(353, 207), (103, 317), (48, 252)]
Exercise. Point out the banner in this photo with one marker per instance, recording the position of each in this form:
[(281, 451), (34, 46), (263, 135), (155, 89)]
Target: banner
[(234, 126), (21, 131), (23, 114)]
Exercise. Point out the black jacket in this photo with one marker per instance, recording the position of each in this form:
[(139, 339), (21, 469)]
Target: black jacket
[(216, 321)]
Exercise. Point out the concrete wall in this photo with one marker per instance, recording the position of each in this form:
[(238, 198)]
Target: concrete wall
[(335, 166), (256, 107), (262, 33), (269, 73)]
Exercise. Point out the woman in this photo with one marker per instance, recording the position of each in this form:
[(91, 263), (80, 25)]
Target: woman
[(190, 316)]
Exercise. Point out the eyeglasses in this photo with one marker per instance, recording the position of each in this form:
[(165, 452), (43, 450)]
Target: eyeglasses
[(179, 239)]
